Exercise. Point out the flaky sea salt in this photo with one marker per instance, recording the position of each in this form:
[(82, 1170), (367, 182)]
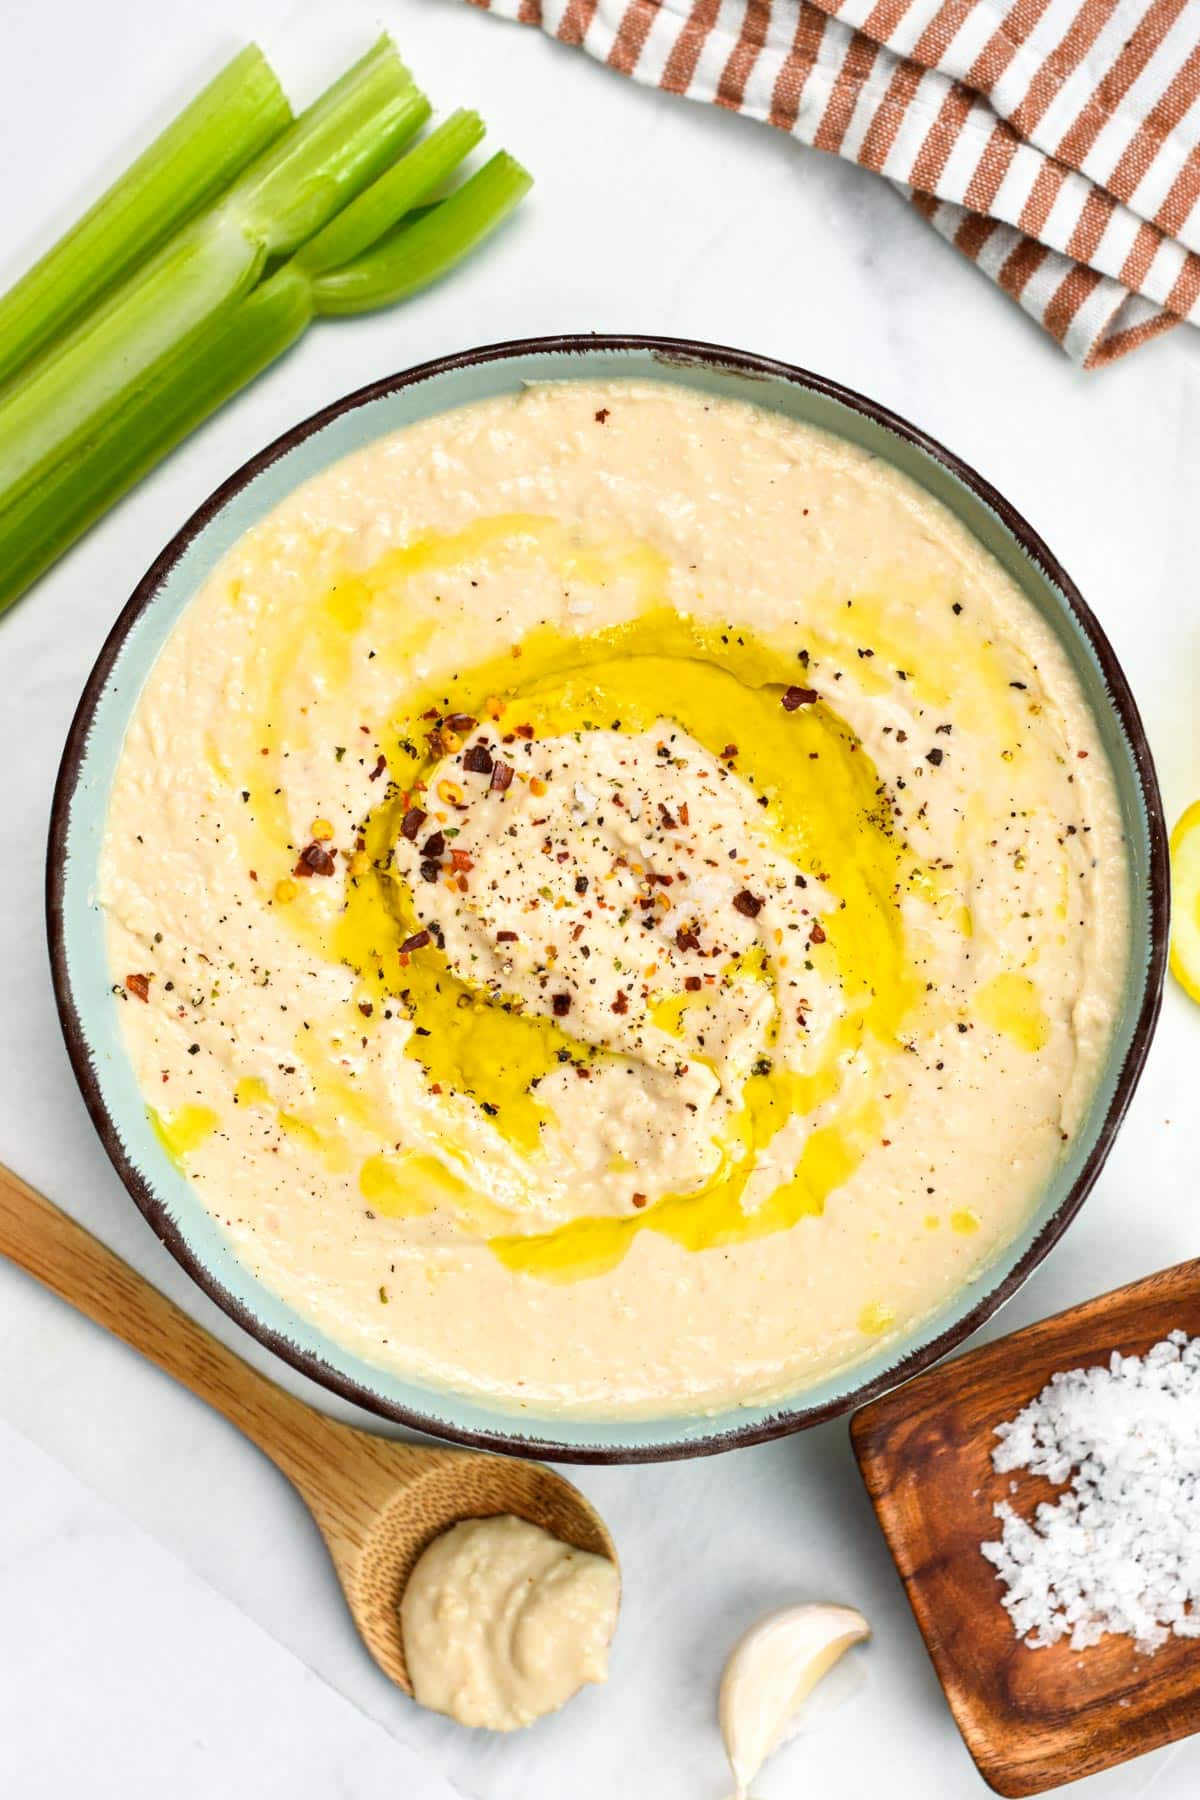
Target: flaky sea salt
[(1119, 1551)]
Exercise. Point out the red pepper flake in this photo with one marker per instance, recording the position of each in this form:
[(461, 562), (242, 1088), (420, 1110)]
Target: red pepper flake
[(687, 940), (1081, 754), (602, 415), (380, 766), (435, 844), (817, 934), (581, 884), (729, 752), (139, 986), (417, 941), (669, 821), (747, 903), (502, 775), (317, 859), (683, 815), (693, 984), (365, 1008), (254, 874), (461, 860), (523, 731), (478, 760), (461, 723), (639, 1200), (506, 937), (621, 1003), (413, 820), (797, 696), (561, 1005)]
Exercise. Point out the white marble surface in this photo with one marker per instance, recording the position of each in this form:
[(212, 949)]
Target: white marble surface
[(167, 1619)]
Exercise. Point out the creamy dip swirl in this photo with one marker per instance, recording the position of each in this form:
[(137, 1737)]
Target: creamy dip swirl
[(504, 1623), (618, 903), (628, 888)]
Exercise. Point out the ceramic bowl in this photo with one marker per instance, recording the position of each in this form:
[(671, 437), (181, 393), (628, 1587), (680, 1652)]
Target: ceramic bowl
[(82, 980)]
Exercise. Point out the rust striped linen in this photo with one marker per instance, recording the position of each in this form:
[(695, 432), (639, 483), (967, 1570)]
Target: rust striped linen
[(1056, 143)]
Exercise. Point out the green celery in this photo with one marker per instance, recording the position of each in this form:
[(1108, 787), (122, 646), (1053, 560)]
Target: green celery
[(230, 122), (47, 518), (344, 141), (243, 337), (406, 184), (329, 155), (415, 255)]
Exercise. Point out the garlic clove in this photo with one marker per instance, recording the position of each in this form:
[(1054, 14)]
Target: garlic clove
[(770, 1673)]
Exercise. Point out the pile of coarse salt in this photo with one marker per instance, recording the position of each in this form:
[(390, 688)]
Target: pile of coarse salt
[(1119, 1551)]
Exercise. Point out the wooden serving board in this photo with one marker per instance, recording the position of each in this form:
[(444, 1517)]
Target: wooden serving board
[(1032, 1719)]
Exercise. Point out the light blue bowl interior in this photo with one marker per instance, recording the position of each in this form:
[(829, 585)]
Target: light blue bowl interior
[(83, 926)]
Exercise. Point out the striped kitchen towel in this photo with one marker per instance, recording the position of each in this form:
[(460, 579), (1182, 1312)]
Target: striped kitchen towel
[(1054, 142)]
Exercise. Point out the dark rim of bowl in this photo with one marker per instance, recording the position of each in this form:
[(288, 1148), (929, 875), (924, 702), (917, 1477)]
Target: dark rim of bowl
[(678, 352)]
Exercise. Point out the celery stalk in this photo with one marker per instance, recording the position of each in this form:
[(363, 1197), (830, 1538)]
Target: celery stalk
[(242, 338), (414, 255), (340, 144), (59, 405), (409, 182), (47, 518), (230, 122), (326, 158)]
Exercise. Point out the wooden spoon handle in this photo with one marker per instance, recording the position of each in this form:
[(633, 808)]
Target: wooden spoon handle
[(49, 1245)]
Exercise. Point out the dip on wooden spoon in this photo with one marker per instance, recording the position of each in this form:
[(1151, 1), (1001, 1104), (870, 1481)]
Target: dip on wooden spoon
[(503, 1622)]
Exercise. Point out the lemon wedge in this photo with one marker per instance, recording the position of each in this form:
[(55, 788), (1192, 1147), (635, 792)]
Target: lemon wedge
[(1185, 901), (771, 1672)]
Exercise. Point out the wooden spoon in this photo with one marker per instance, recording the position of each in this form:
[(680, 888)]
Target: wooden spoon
[(378, 1502)]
